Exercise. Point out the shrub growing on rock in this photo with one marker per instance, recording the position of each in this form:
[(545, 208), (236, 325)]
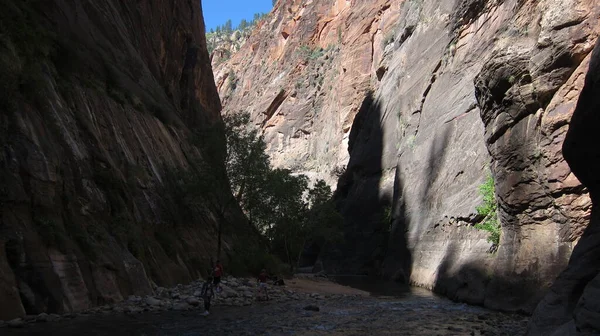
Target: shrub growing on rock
[(488, 210)]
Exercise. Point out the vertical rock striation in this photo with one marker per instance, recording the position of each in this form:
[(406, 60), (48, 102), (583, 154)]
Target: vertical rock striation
[(571, 306), (527, 94), (98, 102), (387, 99)]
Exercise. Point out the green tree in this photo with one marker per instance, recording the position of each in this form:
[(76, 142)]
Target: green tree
[(227, 27), (284, 213), (319, 194), (243, 24), (323, 223), (203, 190), (278, 202), (246, 162)]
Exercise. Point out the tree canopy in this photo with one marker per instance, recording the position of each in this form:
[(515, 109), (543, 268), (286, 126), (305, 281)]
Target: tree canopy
[(278, 202)]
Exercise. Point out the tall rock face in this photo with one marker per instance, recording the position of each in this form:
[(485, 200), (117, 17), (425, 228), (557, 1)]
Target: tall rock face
[(408, 106), (571, 307), (98, 102)]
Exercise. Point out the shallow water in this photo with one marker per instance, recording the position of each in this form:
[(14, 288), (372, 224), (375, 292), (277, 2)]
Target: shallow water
[(391, 310)]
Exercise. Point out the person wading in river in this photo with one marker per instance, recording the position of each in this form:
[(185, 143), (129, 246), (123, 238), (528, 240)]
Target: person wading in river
[(262, 285), (207, 294)]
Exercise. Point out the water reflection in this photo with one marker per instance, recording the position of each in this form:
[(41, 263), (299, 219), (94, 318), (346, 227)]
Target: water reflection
[(384, 289)]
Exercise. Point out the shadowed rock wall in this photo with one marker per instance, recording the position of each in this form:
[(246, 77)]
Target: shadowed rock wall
[(571, 306), (98, 101)]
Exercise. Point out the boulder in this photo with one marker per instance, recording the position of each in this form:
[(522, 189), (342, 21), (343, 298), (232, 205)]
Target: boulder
[(193, 301), (153, 301), (43, 317), (229, 292), (181, 306), (54, 317), (16, 323), (312, 308)]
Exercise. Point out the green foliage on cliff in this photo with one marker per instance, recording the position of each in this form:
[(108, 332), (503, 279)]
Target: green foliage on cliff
[(216, 36), (488, 210), (309, 53)]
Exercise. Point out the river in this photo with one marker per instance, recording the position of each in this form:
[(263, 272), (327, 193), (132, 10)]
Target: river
[(389, 310)]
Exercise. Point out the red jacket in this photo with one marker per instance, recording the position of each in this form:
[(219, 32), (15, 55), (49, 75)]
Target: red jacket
[(218, 272)]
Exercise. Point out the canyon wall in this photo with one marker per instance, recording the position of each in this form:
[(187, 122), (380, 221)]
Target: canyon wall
[(407, 106), (99, 100), (571, 307)]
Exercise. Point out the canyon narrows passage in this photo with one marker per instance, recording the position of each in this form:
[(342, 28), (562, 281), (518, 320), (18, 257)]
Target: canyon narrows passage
[(439, 124)]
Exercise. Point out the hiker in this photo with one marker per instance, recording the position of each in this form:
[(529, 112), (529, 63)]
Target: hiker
[(218, 273), (207, 294), (262, 284)]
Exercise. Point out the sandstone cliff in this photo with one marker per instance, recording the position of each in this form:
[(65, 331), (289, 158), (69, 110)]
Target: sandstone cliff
[(409, 105), (571, 306), (98, 100), (222, 45)]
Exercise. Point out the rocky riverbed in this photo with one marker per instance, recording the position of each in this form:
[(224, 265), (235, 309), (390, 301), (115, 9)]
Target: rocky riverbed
[(303, 307)]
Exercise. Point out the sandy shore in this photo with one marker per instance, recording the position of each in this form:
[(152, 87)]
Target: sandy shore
[(321, 286)]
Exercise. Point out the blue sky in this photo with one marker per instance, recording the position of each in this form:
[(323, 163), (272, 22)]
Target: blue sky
[(216, 12)]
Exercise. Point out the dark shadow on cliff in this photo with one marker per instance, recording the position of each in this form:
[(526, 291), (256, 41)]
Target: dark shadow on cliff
[(477, 283), (399, 259), (357, 198), (435, 163), (370, 216)]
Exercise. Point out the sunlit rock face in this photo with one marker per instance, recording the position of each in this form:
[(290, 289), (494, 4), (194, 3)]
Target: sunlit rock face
[(98, 102), (410, 105)]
